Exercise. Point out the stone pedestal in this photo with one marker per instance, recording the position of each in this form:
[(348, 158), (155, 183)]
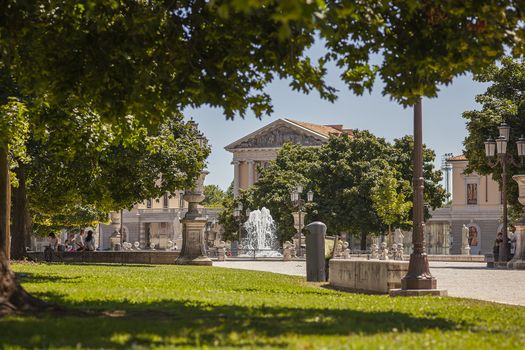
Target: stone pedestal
[(518, 262), (193, 252)]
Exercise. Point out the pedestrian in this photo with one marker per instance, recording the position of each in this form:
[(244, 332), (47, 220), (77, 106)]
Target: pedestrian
[(90, 241), (79, 241), (53, 241), (497, 243)]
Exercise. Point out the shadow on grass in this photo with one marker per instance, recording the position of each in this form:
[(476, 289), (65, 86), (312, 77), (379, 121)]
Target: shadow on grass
[(191, 323), (28, 277)]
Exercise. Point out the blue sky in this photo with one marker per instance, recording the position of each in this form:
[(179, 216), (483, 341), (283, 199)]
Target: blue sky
[(443, 127)]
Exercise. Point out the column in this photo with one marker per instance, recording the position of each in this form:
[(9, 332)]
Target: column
[(250, 173), (236, 179)]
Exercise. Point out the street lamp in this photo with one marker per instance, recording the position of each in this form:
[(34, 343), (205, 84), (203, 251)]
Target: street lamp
[(298, 203), (498, 149), (237, 214)]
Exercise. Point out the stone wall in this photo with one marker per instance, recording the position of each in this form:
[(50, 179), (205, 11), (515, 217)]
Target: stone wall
[(372, 276), (137, 257)]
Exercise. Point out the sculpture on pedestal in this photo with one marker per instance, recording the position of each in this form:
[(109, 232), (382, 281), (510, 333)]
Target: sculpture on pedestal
[(375, 252), (193, 250), (518, 261), (384, 252), (465, 248)]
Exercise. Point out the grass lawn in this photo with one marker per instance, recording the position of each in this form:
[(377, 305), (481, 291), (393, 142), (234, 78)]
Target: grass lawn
[(198, 307)]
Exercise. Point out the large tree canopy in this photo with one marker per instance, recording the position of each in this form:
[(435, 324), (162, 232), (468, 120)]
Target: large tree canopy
[(343, 175), (503, 101)]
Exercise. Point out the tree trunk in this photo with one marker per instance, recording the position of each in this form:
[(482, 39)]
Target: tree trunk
[(363, 241), (21, 220), (13, 298), (5, 202)]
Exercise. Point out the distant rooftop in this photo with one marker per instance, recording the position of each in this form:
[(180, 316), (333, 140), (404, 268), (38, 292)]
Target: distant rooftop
[(461, 157), (325, 130)]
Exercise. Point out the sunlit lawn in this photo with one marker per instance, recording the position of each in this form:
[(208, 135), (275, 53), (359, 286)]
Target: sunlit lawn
[(191, 307)]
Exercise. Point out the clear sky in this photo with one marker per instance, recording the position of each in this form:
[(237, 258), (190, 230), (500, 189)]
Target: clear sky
[(443, 127)]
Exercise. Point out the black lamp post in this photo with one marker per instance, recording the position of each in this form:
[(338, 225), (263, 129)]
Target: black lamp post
[(298, 203), (496, 152), (237, 214)]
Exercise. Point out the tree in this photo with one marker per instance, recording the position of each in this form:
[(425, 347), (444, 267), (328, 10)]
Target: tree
[(503, 101), (343, 174), (390, 200), (75, 181), (146, 58), (214, 196)]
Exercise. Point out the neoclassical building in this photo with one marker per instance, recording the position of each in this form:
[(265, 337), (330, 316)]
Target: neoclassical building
[(255, 150), (476, 203)]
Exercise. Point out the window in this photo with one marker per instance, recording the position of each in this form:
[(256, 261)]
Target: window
[(166, 200), (148, 203), (472, 194)]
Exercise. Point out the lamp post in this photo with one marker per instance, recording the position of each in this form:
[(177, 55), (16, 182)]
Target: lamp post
[(298, 203), (496, 152), (237, 214)]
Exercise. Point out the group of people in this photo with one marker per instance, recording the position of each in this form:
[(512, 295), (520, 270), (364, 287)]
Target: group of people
[(82, 241)]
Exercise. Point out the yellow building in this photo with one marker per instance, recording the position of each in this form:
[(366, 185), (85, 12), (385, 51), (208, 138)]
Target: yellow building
[(476, 203), (258, 148)]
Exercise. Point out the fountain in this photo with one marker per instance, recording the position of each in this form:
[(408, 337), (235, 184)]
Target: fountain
[(260, 240)]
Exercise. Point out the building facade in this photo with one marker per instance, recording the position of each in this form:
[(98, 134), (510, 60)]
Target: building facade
[(255, 150), (476, 203)]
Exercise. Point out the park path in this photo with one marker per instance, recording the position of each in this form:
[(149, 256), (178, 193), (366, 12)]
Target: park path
[(461, 279)]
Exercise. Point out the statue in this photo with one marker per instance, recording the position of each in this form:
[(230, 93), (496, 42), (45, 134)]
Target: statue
[(400, 251), (375, 252), (137, 245), (221, 251), (465, 248), (384, 252), (393, 251), (288, 251), (346, 251), (338, 249)]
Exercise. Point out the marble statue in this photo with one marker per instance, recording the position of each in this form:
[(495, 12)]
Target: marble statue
[(400, 251), (221, 251), (375, 252), (384, 252), (346, 251), (288, 251), (465, 248)]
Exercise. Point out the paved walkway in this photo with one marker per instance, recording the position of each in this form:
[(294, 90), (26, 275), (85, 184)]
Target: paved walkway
[(466, 280)]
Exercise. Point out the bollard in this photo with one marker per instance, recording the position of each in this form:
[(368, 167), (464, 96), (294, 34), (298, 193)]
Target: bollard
[(315, 261)]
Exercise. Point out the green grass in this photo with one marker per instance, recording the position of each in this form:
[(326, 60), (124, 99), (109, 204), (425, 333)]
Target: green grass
[(199, 307)]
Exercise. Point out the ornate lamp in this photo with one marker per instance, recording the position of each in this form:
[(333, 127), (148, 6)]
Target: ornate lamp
[(490, 147)]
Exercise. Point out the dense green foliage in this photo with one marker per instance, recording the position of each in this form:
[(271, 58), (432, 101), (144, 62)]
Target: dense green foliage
[(412, 45), (214, 196), (193, 307), (343, 174), (390, 200), (503, 101)]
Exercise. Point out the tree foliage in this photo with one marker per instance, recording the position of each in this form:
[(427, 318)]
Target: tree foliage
[(344, 175), (390, 200), (503, 101), (214, 196)]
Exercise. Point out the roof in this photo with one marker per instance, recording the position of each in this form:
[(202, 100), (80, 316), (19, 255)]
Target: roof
[(459, 158), (325, 130), (322, 132)]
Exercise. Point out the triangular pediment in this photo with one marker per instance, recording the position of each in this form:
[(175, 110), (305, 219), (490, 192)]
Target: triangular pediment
[(276, 134)]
